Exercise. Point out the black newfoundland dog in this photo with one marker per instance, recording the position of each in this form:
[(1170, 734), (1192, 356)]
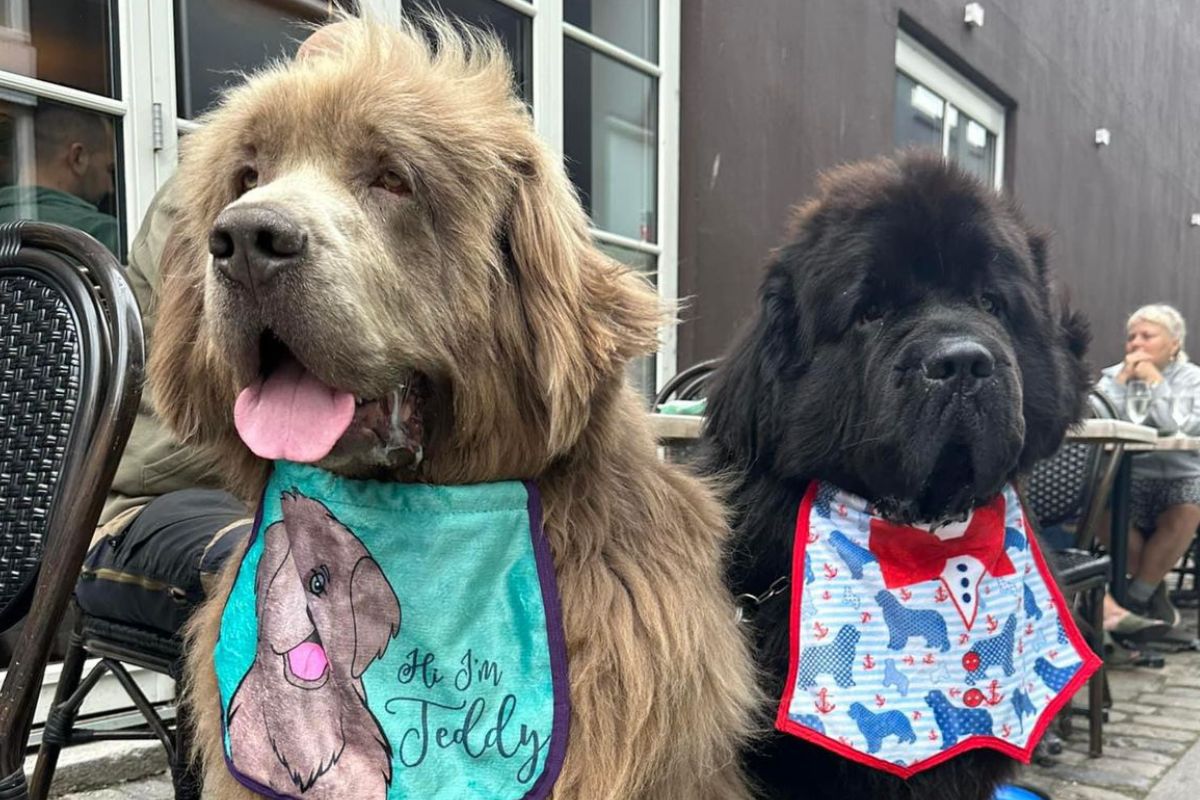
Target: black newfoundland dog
[(907, 349)]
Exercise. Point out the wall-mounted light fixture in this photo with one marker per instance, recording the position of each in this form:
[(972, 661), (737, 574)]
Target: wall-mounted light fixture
[(1103, 137), (973, 15)]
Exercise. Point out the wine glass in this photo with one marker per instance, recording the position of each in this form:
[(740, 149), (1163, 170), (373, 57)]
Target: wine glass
[(1137, 401), (1183, 405)]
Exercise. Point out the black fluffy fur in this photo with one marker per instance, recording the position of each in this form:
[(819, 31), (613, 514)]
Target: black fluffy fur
[(891, 259)]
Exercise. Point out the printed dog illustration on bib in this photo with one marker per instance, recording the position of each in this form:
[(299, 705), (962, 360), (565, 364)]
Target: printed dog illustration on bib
[(325, 613), (327, 696)]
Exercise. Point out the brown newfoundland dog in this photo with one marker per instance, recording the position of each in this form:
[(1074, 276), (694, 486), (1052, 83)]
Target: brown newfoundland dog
[(906, 349), (382, 214)]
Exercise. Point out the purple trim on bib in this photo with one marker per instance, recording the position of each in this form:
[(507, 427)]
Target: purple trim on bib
[(557, 643)]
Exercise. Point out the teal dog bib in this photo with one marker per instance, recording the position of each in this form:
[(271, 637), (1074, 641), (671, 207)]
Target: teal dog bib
[(387, 640)]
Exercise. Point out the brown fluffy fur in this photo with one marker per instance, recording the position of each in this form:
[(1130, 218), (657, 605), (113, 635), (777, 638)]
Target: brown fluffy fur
[(489, 283)]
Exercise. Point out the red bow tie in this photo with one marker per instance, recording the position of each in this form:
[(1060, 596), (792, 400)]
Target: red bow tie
[(910, 555)]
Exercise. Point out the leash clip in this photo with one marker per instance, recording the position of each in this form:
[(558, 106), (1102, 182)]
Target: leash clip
[(748, 603)]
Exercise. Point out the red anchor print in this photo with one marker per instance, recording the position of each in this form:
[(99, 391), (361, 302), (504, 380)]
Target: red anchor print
[(963, 638), (994, 696), (1029, 629), (905, 594), (955, 692), (929, 659), (821, 630), (1028, 568), (865, 617), (916, 716), (830, 571), (933, 737), (1020, 647), (992, 624), (880, 701), (825, 595), (987, 589), (1053, 654), (813, 538), (909, 661), (941, 595), (868, 662), (842, 510), (822, 703), (1006, 730)]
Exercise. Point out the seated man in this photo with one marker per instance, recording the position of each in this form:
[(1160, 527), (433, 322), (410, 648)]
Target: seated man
[(74, 163)]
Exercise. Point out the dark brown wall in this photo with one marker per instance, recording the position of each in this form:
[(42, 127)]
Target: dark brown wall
[(775, 90)]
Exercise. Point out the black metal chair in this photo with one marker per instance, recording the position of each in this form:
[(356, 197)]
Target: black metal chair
[(688, 384), (71, 362), (1072, 486)]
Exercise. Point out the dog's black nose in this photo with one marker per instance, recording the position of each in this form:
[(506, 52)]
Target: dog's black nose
[(252, 245), (963, 362)]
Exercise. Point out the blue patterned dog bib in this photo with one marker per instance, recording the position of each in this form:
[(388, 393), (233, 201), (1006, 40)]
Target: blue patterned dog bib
[(912, 644)]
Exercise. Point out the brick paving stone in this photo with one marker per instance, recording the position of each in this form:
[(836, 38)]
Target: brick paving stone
[(1183, 722), (1131, 754), (1139, 743), (1150, 732), (1172, 701), (155, 788)]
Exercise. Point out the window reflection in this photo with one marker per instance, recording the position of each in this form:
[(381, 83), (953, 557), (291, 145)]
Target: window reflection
[(58, 163)]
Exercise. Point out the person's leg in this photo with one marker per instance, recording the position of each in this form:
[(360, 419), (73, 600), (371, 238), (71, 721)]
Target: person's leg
[(1171, 539), (1142, 516), (151, 574)]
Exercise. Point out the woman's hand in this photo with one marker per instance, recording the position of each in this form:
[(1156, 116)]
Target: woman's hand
[(1136, 364), (1148, 372)]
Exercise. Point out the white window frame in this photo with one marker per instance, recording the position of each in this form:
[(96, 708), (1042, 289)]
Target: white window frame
[(916, 61)]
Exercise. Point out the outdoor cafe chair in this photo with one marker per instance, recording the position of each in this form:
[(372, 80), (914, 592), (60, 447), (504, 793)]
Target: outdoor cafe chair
[(71, 363)]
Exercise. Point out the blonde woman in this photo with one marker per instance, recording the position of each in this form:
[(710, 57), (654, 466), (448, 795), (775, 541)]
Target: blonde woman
[(1166, 485)]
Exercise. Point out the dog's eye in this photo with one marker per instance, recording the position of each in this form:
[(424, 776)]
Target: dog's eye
[(989, 303), (317, 581), (247, 179), (394, 182), (872, 313)]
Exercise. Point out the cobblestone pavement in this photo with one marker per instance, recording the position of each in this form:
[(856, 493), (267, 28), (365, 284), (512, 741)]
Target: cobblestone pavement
[(1154, 721)]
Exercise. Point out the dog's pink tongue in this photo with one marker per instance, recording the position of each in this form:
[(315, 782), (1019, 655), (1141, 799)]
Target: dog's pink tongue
[(307, 661), (292, 415)]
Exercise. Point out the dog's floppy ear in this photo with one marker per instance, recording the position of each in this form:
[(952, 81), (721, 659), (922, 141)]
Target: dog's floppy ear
[(586, 315), (1069, 376), (375, 611), (273, 558)]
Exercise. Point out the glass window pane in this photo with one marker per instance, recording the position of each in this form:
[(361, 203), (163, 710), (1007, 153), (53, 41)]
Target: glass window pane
[(971, 145), (642, 371), (610, 138), (919, 115), (215, 40), (629, 24), (61, 41), (514, 29), (58, 164)]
